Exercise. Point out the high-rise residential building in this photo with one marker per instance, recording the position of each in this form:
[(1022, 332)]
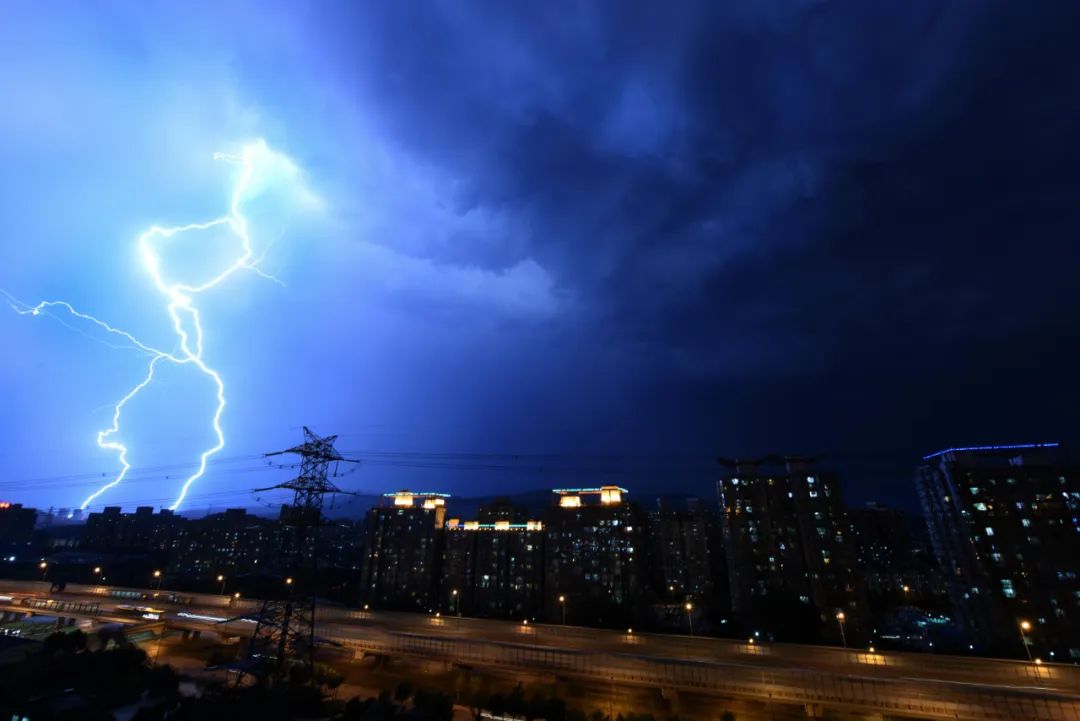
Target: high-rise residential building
[(494, 566), (1004, 522), (403, 550), (685, 553), (16, 526), (143, 530), (790, 555), (894, 555), (230, 542), (593, 557)]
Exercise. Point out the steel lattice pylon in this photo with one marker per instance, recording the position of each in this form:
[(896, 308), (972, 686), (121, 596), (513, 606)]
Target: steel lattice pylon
[(286, 629)]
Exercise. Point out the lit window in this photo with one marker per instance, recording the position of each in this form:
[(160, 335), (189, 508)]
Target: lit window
[(989, 531)]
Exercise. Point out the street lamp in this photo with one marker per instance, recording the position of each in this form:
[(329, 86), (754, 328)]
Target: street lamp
[(1025, 626), (690, 616), (97, 570), (221, 579), (44, 566), (157, 577), (840, 620), (455, 601), (288, 581), (562, 602)]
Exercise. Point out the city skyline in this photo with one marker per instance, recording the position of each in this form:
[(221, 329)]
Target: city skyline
[(623, 234)]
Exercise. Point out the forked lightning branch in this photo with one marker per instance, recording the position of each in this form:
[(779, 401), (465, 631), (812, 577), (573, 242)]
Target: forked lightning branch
[(179, 298)]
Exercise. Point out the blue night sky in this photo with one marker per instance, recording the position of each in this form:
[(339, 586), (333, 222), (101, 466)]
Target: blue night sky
[(524, 245)]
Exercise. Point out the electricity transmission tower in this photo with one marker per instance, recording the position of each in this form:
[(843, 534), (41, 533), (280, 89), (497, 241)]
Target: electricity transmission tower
[(286, 629)]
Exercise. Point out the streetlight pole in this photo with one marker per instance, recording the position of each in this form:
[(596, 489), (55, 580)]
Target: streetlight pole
[(840, 620), (221, 579), (44, 566), (1025, 626), (157, 577), (690, 616), (562, 602), (456, 601)]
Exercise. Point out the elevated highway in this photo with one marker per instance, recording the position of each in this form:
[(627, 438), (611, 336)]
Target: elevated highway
[(819, 680)]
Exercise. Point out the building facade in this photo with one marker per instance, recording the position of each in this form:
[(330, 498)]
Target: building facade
[(141, 531), (894, 554), (593, 557), (685, 553), (232, 542), (403, 551), (16, 527), (1004, 522), (790, 555), (494, 566)]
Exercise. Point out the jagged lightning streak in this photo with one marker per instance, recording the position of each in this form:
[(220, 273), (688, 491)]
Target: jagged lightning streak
[(186, 321)]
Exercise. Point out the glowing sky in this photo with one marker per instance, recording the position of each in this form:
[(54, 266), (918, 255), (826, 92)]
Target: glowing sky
[(545, 228)]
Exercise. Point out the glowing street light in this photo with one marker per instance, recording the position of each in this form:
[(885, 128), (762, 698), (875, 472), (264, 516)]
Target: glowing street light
[(97, 570), (562, 602), (840, 620), (690, 616), (288, 581), (157, 577), (221, 579), (456, 601), (44, 566), (1025, 626)]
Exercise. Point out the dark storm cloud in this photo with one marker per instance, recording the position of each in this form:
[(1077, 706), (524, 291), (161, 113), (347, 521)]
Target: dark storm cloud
[(690, 228), (834, 205)]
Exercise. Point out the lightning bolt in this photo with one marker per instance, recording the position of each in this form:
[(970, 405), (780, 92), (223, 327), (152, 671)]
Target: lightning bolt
[(186, 321)]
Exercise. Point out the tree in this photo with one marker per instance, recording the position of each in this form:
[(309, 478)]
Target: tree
[(162, 682), (61, 642), (403, 692), (434, 705)]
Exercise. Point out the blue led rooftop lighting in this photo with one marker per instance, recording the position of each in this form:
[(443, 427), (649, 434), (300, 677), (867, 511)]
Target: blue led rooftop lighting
[(1013, 447), (417, 494)]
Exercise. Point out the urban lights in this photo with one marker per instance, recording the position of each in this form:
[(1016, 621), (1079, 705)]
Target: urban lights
[(157, 578), (690, 616), (840, 620), (562, 602), (1025, 627), (44, 566), (221, 579)]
